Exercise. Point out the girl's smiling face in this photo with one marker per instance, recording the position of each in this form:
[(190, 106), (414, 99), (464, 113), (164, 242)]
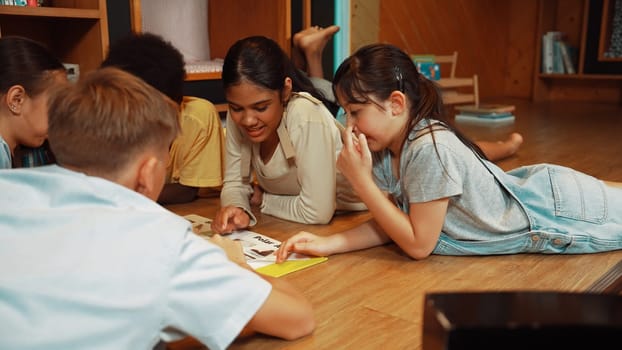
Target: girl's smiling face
[(257, 111), (370, 119)]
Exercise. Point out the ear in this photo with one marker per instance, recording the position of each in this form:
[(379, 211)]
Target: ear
[(398, 102), (146, 178), (287, 90), (14, 98)]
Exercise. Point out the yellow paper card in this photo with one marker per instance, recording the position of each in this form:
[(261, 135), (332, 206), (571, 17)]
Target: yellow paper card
[(278, 270)]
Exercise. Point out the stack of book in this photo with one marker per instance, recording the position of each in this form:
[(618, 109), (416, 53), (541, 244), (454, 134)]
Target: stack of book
[(485, 113), (557, 56)]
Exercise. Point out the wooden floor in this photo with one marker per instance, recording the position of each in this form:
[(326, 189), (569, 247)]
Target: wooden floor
[(586, 137), (373, 299)]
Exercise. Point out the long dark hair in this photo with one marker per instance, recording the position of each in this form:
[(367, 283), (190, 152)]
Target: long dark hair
[(379, 69), (27, 63), (261, 61)]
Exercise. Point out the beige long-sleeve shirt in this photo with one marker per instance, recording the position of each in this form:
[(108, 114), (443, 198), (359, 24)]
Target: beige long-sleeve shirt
[(300, 182)]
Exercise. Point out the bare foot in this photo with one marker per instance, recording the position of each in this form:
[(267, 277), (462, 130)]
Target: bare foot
[(310, 42), (501, 149), (513, 142)]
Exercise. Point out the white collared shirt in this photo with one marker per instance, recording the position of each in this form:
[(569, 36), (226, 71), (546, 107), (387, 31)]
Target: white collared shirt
[(88, 264)]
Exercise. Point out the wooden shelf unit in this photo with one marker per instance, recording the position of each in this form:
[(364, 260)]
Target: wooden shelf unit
[(571, 17), (76, 31), (230, 21)]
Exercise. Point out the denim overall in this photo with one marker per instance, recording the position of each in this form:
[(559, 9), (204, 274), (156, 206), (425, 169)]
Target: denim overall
[(569, 213)]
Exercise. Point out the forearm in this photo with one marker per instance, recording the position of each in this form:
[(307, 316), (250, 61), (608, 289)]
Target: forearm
[(237, 194), (315, 210), (286, 314), (390, 219), (366, 235)]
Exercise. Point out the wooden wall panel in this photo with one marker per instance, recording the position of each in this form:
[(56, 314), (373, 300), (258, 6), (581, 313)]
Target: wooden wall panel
[(364, 23), (494, 39), (521, 49), (230, 21)]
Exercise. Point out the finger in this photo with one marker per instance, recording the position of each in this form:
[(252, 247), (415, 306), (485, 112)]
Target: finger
[(218, 225), (230, 227), (363, 147), (288, 246), (235, 218), (305, 247), (284, 250), (223, 219), (347, 137), (240, 220)]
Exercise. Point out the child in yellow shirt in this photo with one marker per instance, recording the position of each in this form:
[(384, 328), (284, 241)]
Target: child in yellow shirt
[(196, 155)]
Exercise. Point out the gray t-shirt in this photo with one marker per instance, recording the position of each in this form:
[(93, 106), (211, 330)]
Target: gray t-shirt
[(479, 207)]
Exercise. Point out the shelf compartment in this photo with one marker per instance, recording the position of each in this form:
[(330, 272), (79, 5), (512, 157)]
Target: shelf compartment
[(52, 12)]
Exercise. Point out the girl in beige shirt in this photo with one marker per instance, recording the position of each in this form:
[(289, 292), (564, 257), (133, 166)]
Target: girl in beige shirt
[(280, 132)]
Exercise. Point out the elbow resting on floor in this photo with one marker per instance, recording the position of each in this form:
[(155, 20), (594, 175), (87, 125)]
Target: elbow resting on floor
[(418, 253), (302, 328)]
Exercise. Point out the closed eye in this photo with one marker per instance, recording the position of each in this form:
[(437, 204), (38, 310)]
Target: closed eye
[(235, 108)]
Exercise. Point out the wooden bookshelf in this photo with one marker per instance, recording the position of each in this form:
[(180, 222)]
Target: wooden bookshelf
[(230, 21), (572, 17), (76, 31)]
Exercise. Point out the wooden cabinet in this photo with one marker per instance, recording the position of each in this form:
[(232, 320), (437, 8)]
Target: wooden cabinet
[(230, 21), (595, 80), (75, 30)]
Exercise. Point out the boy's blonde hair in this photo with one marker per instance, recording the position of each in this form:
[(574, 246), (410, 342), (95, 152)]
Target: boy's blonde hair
[(102, 122)]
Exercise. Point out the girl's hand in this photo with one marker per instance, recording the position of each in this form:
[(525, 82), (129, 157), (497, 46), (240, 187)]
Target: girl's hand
[(257, 196), (304, 243), (354, 160), (229, 219)]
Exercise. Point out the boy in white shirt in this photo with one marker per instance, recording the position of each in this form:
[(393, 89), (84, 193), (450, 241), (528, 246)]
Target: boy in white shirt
[(88, 259)]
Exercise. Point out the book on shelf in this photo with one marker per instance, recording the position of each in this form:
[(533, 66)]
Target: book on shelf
[(551, 56), (567, 57), (557, 56), (32, 3), (259, 250), (558, 63)]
